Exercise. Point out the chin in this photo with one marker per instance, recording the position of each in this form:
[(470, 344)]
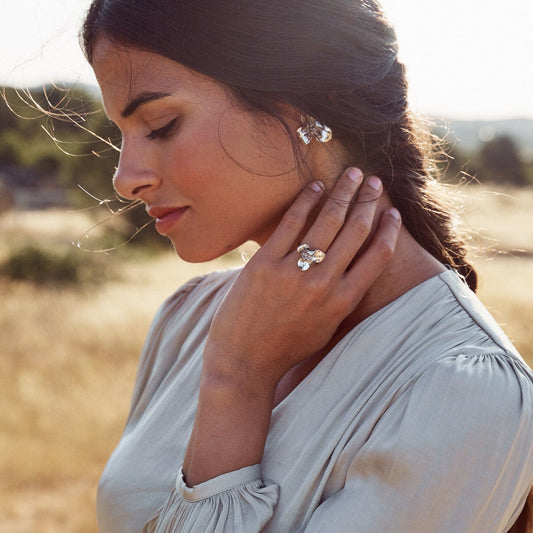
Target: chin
[(192, 254)]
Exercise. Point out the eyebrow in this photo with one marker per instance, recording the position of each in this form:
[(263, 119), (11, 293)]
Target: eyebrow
[(141, 99)]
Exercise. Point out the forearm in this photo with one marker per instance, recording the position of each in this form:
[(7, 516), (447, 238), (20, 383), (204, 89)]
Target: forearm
[(231, 423)]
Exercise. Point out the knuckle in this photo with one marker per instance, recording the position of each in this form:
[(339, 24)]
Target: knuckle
[(293, 219), (333, 218), (260, 269), (322, 285), (384, 250), (361, 227), (344, 300)]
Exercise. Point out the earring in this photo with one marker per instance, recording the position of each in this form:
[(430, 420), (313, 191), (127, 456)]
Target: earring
[(312, 129)]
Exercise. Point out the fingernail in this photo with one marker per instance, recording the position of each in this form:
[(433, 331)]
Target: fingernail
[(395, 213), (375, 183), (317, 186), (355, 174)]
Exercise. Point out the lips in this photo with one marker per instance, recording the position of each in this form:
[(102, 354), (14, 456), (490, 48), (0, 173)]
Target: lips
[(166, 217)]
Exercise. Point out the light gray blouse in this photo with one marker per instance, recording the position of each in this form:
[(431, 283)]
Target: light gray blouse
[(420, 419)]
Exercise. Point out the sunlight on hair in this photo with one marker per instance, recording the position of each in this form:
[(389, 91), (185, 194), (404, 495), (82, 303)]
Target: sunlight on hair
[(107, 203)]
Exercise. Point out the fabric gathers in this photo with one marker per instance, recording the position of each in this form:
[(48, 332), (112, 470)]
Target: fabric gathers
[(194, 509)]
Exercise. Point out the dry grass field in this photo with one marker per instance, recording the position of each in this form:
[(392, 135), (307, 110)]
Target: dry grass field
[(68, 356)]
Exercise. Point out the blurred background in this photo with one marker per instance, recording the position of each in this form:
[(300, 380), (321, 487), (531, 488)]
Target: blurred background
[(77, 301)]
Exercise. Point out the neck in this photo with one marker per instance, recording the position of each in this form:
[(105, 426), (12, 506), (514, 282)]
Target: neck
[(410, 265)]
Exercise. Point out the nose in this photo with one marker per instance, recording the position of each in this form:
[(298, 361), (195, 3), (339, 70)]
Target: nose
[(134, 178)]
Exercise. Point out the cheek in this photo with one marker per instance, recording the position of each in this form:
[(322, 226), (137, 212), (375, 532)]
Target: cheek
[(192, 159), (260, 146)]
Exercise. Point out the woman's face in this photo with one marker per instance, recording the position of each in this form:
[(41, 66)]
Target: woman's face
[(212, 174)]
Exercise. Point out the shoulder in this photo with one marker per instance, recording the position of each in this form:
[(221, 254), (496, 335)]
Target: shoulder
[(466, 383), (453, 379), (179, 326), (472, 307), (442, 319), (189, 308), (198, 288), (460, 411), (480, 382), (481, 402)]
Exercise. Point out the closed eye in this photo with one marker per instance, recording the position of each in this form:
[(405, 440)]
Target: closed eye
[(163, 132)]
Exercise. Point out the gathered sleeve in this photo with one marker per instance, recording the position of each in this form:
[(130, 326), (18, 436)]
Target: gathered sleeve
[(236, 502), (453, 453)]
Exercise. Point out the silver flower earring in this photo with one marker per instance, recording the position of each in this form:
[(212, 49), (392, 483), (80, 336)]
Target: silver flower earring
[(312, 129)]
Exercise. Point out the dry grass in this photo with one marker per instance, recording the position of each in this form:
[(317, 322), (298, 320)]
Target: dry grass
[(502, 218), (67, 365), (68, 359), (505, 289)]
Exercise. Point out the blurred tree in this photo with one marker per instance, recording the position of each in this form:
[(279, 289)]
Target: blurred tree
[(500, 161), (6, 198), (9, 154), (456, 164)]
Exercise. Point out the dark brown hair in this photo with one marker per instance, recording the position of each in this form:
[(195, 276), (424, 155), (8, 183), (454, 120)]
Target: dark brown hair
[(336, 61)]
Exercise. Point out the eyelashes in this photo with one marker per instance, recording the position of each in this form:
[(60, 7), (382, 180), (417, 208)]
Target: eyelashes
[(163, 132)]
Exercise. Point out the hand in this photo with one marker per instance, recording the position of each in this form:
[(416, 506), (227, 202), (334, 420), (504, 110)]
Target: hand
[(275, 315)]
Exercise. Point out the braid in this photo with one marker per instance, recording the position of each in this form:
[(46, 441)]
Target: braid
[(422, 200)]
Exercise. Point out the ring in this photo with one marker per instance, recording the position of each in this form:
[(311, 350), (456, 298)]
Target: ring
[(308, 257)]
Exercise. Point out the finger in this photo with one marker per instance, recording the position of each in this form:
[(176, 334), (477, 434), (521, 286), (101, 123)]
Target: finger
[(333, 214), (359, 223), (370, 265), (294, 220)]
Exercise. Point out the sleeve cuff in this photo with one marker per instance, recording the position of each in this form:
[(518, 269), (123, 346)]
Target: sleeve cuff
[(249, 475)]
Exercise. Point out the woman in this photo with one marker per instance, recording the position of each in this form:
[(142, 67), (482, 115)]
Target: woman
[(346, 379)]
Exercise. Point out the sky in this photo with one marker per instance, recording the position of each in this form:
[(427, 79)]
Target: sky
[(466, 59)]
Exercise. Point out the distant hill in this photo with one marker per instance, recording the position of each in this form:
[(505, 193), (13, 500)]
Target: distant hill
[(469, 134)]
